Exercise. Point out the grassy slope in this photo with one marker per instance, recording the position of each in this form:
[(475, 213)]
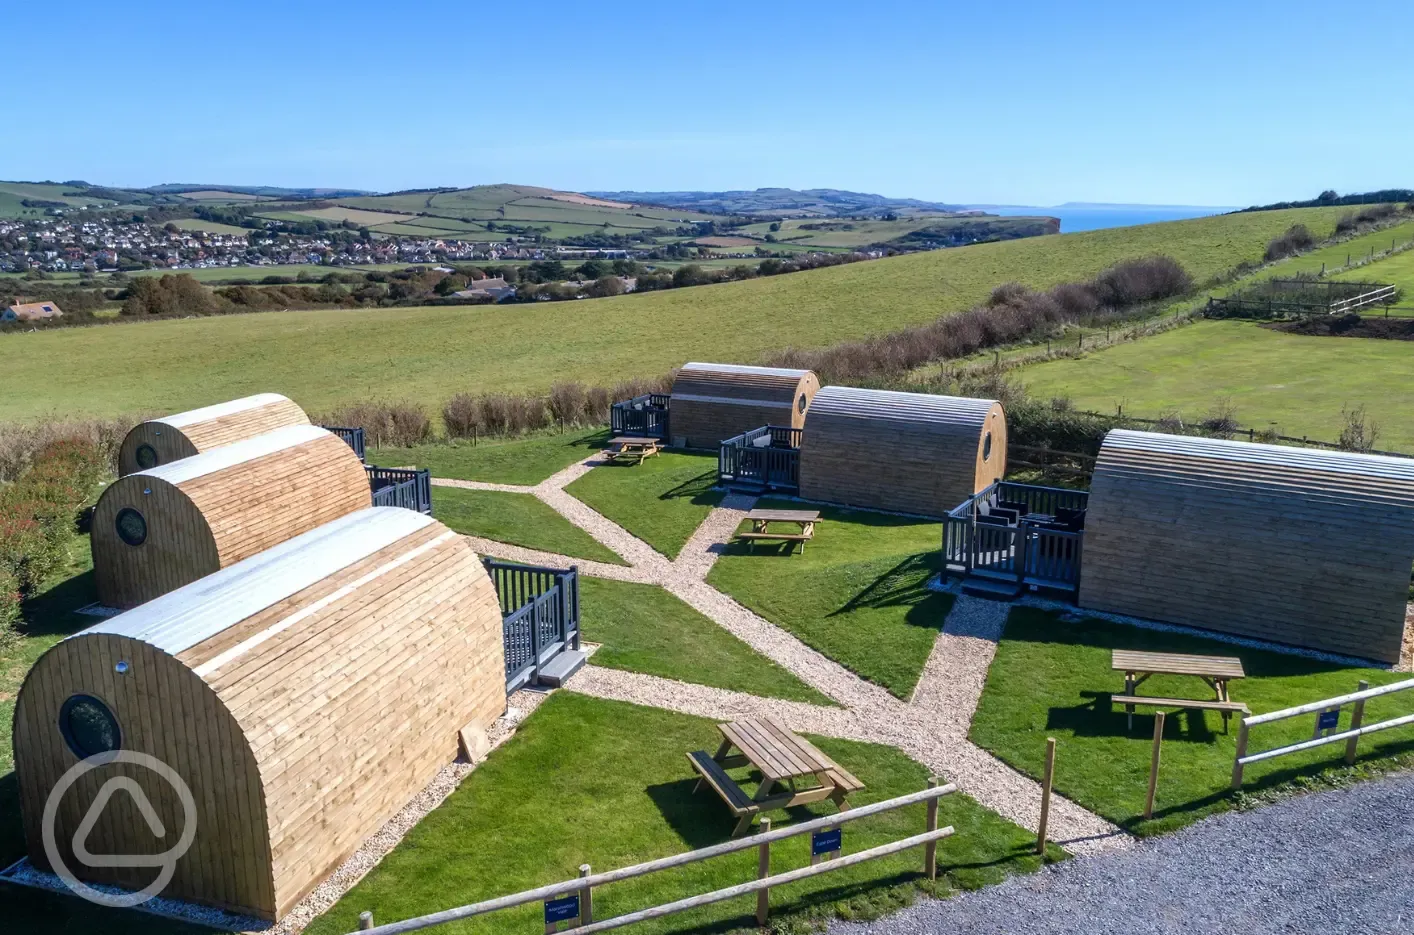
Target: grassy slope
[(526, 461), (324, 357), (661, 501), (547, 802), (1052, 679), (517, 518), (645, 629), (856, 593), (1299, 383)]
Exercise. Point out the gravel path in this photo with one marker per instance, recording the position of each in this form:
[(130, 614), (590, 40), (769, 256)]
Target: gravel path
[(1331, 862), (708, 540)]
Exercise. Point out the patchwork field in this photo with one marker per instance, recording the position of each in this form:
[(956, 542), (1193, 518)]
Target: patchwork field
[(14, 194), (213, 227), (324, 357)]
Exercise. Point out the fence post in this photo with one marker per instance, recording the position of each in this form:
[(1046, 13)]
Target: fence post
[(1046, 779), (1241, 752), (930, 850), (763, 870), (1356, 718), (365, 921), (1154, 764), (586, 898)]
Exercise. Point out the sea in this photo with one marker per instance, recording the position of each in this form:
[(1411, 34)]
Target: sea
[(1075, 216)]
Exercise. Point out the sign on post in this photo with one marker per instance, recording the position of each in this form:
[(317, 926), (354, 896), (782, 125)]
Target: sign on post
[(559, 910), (1328, 720), (827, 842)]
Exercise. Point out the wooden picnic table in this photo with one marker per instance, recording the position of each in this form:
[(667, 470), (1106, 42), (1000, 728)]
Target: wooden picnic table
[(761, 521), (630, 446), (782, 758), (1216, 671)]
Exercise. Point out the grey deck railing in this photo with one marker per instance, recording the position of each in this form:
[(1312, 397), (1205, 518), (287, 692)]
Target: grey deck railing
[(1028, 552), (765, 458), (409, 489), (643, 416), (353, 437), (539, 616)]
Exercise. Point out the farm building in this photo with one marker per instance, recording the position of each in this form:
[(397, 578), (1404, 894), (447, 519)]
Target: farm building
[(31, 311), (162, 441), (159, 529), (303, 696), (711, 402), (1295, 545), (907, 452)]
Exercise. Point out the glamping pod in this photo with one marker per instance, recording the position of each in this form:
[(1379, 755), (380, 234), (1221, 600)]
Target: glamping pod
[(302, 696), (713, 402), (907, 452), (162, 441), (1299, 546), (159, 529)]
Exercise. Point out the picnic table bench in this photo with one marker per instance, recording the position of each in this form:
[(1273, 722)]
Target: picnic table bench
[(632, 447), (761, 521), (782, 758), (1216, 671)]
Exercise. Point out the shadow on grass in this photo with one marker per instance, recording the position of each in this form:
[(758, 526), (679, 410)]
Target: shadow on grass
[(1101, 716), (51, 613), (904, 584), (696, 489), (12, 836)]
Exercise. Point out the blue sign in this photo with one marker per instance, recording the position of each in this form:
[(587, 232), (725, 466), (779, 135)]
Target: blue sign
[(562, 909), (1328, 720), (826, 842)]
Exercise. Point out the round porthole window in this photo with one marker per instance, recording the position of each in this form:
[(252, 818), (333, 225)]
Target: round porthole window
[(89, 728), (132, 528), (800, 404), (986, 446), (146, 456)]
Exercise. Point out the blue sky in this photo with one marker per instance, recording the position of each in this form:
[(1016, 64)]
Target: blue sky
[(1023, 103)]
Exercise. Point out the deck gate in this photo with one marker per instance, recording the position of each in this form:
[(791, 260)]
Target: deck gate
[(766, 458), (641, 417), (409, 489), (539, 616)]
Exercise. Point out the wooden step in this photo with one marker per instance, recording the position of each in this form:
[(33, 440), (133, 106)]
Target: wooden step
[(996, 590), (557, 670)]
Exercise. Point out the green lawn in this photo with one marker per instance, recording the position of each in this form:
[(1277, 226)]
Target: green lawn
[(1299, 383), (606, 783), (856, 594), (645, 629), (517, 519), (1397, 270), (526, 461), (1052, 679), (322, 358), (661, 501)]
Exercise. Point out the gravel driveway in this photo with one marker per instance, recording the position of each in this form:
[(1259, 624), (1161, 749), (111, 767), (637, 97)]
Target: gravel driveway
[(1333, 862)]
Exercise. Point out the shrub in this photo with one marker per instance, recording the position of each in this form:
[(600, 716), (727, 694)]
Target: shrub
[(1359, 432), (1222, 419), (567, 402), (397, 424), (1296, 239), (461, 415), (20, 442)]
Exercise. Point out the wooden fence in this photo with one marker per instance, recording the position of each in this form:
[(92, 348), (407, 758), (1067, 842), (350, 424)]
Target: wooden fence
[(643, 416), (767, 458), (409, 489), (540, 616), (572, 900), (353, 437), (1327, 726)]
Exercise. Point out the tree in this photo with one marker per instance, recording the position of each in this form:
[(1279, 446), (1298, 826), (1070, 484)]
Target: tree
[(606, 286), (591, 269), (689, 275), (775, 226)]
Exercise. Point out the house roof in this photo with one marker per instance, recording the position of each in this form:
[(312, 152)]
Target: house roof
[(31, 311)]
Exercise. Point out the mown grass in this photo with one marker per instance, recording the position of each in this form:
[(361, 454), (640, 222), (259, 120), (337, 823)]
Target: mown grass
[(857, 593), (526, 461), (1052, 678), (661, 501), (517, 519), (645, 629), (1294, 383), (606, 783), (322, 358)]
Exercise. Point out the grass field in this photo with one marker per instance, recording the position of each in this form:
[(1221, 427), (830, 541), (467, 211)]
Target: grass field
[(212, 227), (857, 593), (518, 519), (1298, 383), (525, 461), (13, 194), (321, 358), (643, 628), (1052, 679), (661, 501)]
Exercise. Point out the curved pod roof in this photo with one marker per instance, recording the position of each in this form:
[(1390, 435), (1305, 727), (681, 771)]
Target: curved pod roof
[(713, 402), (156, 530), (1294, 545), (303, 696), (906, 452), (162, 441)]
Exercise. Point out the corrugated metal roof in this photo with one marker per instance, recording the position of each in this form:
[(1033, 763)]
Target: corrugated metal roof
[(1257, 453), (207, 413), (181, 619), (891, 405), (218, 459), (747, 368)]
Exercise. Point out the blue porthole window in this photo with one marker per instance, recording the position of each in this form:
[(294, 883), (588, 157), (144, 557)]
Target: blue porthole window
[(131, 526), (89, 728), (146, 456)]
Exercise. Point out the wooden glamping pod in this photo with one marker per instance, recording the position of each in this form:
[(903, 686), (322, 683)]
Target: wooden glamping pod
[(712, 402), (1295, 545), (159, 529), (162, 441), (907, 452), (303, 696)]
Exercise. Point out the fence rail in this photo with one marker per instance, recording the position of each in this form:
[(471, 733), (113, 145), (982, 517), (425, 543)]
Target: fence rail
[(584, 884), (1024, 551), (353, 437), (763, 458), (539, 616), (409, 489), (1323, 735), (645, 416)]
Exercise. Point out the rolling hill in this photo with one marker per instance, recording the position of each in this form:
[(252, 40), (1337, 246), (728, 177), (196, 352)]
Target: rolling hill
[(785, 202)]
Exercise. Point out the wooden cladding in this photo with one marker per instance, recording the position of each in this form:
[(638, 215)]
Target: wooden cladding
[(713, 402), (905, 452), (1311, 548), (300, 727), (215, 509), (162, 441)]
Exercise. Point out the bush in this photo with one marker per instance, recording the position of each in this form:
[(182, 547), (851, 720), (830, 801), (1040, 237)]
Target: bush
[(567, 402), (461, 415), (396, 424), (21, 442), (1296, 239), (9, 609)]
